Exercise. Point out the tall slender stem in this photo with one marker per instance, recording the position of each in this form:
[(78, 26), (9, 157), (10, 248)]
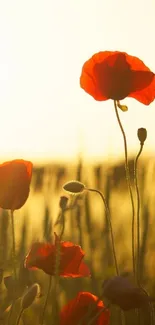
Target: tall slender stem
[(138, 212), (129, 186), (19, 317), (46, 300), (55, 304), (14, 264), (63, 224), (108, 215), (151, 308), (13, 244)]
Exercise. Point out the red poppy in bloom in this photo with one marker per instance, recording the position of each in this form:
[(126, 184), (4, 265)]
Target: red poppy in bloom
[(117, 75), (78, 309), (15, 178), (43, 256)]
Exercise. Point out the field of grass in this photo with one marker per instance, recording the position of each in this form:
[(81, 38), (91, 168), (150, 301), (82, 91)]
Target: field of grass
[(85, 225)]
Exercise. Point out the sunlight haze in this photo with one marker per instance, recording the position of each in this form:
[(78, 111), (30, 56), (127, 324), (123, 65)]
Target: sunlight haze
[(45, 115)]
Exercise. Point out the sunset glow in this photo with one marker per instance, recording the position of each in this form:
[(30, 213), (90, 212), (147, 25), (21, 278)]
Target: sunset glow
[(45, 115)]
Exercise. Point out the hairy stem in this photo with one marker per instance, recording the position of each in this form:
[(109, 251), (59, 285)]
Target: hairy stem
[(46, 301), (138, 213), (14, 264), (129, 186), (19, 317), (108, 215), (13, 245), (57, 271)]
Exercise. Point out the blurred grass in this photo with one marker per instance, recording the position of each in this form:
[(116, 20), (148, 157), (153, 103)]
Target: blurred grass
[(85, 225)]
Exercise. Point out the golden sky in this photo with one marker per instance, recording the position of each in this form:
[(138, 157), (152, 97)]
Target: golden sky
[(43, 45)]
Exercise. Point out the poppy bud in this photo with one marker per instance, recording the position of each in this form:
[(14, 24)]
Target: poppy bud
[(63, 202), (30, 295), (142, 135), (123, 293), (74, 187)]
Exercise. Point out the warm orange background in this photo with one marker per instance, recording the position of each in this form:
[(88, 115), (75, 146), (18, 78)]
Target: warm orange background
[(43, 45)]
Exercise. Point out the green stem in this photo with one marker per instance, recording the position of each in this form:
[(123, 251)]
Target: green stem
[(63, 224), (46, 300), (57, 270), (78, 218), (14, 263), (58, 248), (13, 244), (138, 227), (138, 213), (19, 317), (129, 186), (108, 215)]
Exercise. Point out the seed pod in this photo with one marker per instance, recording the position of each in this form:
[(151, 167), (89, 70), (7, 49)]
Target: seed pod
[(74, 187), (142, 135), (30, 296)]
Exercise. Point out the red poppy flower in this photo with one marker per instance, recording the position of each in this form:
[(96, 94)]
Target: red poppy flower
[(15, 178), (120, 291), (117, 75), (43, 256), (78, 309)]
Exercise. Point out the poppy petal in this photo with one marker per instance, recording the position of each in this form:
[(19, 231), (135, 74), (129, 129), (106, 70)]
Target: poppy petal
[(143, 81), (39, 251), (88, 79), (145, 96), (43, 256), (84, 269), (73, 256), (77, 309), (135, 63)]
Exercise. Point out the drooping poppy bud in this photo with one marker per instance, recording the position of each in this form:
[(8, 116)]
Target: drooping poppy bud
[(30, 296), (142, 135), (120, 291), (74, 187)]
